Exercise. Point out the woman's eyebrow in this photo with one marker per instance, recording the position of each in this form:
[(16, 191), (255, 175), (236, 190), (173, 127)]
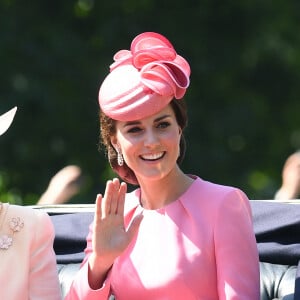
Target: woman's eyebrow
[(131, 123), (161, 118)]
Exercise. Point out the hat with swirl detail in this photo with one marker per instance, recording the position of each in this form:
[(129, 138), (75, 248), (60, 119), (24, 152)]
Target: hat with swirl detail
[(144, 80)]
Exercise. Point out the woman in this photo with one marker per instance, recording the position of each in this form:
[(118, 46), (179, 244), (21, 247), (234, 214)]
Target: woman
[(27, 260), (176, 236)]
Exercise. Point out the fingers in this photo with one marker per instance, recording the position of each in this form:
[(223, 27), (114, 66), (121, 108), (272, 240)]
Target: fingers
[(98, 213), (114, 197), (105, 205), (109, 197), (121, 202)]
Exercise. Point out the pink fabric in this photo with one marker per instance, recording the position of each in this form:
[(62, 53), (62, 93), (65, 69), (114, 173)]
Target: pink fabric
[(28, 267), (144, 80), (201, 246)]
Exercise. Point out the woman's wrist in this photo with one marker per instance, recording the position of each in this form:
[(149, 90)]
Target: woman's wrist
[(98, 269)]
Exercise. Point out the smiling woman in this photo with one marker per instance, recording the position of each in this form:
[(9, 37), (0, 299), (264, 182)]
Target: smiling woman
[(149, 146), (176, 236)]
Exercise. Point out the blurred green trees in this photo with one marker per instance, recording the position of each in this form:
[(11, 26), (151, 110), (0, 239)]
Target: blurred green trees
[(243, 99)]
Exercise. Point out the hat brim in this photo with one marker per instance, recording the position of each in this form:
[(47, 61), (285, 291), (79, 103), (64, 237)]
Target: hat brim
[(6, 120)]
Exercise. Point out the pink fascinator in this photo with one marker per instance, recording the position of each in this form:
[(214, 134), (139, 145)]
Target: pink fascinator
[(144, 80)]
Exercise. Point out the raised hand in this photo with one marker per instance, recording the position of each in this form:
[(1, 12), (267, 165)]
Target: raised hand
[(110, 238)]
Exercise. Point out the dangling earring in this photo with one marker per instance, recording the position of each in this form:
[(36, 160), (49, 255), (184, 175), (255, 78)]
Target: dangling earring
[(120, 158)]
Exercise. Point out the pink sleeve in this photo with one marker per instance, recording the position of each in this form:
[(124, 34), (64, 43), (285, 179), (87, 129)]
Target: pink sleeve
[(80, 289), (236, 250), (43, 278)]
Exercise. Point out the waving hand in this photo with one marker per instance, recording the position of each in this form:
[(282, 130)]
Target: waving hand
[(110, 238)]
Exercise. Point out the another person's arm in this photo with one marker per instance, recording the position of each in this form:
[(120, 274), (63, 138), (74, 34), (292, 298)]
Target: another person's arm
[(43, 275), (290, 187)]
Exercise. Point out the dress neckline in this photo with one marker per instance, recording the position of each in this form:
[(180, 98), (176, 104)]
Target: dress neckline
[(168, 206)]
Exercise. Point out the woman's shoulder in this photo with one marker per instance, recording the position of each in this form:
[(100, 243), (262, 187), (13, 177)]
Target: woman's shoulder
[(210, 187), (27, 211), (213, 193), (27, 225), (29, 215), (211, 198)]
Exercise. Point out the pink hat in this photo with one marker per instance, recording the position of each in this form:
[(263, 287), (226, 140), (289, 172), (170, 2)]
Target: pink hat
[(144, 80), (6, 119)]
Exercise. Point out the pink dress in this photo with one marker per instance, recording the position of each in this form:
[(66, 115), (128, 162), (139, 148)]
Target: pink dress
[(201, 246)]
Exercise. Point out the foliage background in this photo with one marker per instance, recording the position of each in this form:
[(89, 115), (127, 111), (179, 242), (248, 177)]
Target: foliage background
[(243, 99)]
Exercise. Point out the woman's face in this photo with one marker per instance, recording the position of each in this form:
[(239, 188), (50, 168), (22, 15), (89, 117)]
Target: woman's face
[(150, 146)]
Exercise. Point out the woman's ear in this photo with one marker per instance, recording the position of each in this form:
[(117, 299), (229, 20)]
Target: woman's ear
[(114, 142), (180, 130)]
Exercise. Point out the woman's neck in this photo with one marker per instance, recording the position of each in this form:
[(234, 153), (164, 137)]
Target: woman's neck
[(156, 194)]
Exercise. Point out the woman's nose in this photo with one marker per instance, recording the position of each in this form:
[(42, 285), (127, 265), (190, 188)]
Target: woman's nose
[(150, 138)]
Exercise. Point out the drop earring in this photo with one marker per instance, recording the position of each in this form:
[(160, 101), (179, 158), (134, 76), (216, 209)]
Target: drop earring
[(120, 158)]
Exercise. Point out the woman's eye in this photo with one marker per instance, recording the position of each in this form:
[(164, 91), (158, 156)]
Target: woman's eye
[(134, 129), (163, 125)]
